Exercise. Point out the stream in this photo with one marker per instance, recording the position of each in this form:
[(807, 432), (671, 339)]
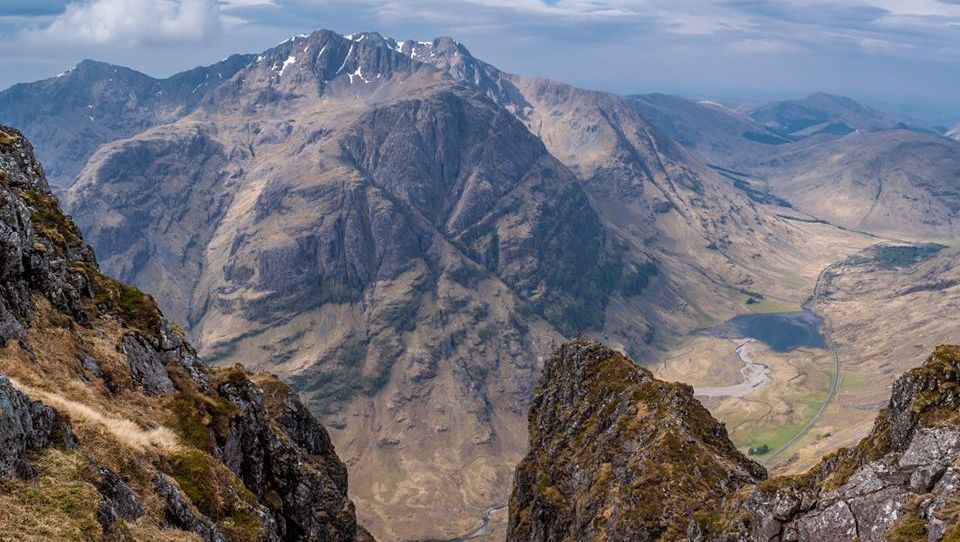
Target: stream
[(755, 374), (781, 332)]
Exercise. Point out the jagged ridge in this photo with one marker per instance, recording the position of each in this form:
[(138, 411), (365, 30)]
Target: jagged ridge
[(127, 434), (618, 455)]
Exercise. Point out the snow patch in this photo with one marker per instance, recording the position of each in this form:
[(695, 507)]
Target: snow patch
[(287, 62), (345, 59), (713, 104), (358, 73)]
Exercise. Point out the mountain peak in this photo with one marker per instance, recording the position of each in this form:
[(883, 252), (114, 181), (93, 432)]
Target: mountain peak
[(602, 428)]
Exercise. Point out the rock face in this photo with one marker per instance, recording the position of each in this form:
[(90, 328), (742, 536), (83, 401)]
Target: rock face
[(148, 422), (618, 455), (25, 426)]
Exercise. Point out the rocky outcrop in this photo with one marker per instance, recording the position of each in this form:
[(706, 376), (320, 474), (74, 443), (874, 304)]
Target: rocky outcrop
[(181, 513), (25, 426), (293, 469), (153, 424), (117, 500), (618, 455), (899, 483)]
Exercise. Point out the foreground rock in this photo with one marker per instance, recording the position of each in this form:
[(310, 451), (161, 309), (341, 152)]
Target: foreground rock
[(618, 455), (111, 427)]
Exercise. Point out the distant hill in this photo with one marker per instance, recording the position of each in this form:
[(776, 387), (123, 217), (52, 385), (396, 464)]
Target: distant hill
[(717, 134), (897, 183), (821, 113), (94, 103)]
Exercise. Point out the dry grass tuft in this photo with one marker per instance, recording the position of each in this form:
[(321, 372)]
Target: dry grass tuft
[(56, 505), (7, 139), (126, 431)]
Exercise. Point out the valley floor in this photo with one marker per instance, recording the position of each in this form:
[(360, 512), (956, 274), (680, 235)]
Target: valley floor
[(788, 409)]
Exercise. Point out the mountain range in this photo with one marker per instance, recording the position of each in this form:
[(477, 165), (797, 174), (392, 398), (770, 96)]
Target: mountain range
[(402, 230), (827, 157), (114, 429)]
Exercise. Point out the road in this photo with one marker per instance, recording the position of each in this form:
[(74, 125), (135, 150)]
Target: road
[(828, 339)]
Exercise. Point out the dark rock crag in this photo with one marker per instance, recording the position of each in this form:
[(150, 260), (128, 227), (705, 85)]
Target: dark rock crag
[(618, 455), (249, 463)]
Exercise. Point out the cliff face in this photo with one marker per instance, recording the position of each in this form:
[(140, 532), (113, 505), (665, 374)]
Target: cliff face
[(618, 455), (899, 483), (113, 429)]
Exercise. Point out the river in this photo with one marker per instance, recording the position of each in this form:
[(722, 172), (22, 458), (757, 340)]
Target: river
[(781, 332)]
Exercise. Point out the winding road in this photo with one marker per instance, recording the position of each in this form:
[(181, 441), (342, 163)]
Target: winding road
[(811, 305)]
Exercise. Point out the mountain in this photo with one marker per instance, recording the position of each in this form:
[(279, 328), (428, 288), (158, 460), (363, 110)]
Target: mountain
[(114, 429), (617, 454), (894, 183), (400, 229), (878, 177), (821, 114), (94, 103), (717, 134), (652, 192), (395, 245)]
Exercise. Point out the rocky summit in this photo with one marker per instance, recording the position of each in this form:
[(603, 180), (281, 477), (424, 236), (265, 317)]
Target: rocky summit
[(112, 428), (616, 454)]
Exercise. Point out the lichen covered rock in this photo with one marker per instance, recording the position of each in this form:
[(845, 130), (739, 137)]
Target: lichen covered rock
[(617, 455)]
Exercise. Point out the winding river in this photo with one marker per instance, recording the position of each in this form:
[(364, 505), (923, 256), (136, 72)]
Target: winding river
[(755, 375), (781, 332)]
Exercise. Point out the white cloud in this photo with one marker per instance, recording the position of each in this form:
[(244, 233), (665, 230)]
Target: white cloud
[(132, 22)]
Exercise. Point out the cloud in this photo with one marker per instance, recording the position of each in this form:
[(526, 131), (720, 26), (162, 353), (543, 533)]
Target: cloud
[(132, 22)]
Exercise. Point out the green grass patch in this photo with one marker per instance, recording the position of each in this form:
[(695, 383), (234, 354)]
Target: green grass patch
[(893, 257), (137, 309), (50, 223), (217, 493), (775, 436), (764, 305)]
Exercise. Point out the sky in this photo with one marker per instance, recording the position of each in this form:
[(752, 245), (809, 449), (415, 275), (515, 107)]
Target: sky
[(901, 55)]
